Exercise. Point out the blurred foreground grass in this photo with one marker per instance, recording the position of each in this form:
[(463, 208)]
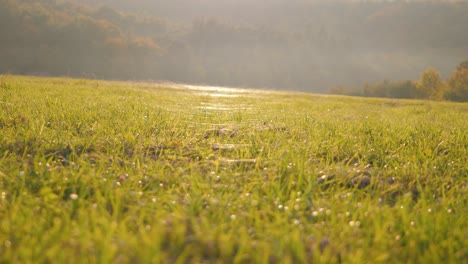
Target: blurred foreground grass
[(109, 172)]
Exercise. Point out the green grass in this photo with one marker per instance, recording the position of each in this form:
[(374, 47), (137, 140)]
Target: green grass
[(109, 172)]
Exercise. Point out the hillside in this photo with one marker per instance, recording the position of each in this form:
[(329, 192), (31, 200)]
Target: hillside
[(297, 45)]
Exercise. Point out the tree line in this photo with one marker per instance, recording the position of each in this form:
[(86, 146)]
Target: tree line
[(429, 86), (298, 45)]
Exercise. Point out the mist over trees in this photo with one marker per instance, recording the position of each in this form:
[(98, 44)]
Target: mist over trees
[(298, 44)]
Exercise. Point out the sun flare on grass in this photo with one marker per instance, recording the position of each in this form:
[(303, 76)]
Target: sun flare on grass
[(125, 172)]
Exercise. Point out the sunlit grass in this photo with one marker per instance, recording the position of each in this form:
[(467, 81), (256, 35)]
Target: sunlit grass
[(108, 172)]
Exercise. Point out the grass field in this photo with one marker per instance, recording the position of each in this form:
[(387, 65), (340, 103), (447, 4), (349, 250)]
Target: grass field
[(115, 172)]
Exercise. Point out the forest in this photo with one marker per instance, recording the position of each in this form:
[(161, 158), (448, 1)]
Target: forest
[(312, 46)]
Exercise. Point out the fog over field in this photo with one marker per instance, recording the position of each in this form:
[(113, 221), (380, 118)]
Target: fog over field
[(298, 45)]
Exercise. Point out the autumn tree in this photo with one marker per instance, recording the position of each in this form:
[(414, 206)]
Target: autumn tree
[(430, 85), (458, 83)]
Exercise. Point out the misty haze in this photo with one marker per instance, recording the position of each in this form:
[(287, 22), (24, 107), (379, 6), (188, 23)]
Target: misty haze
[(312, 46)]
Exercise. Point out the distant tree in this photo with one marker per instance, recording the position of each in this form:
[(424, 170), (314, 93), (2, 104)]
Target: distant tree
[(391, 89), (463, 65), (458, 83), (430, 86), (403, 89)]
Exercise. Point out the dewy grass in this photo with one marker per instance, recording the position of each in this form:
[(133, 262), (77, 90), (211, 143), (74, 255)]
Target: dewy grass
[(109, 172)]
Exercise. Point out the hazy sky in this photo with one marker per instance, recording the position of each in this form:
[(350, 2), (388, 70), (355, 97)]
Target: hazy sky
[(292, 44)]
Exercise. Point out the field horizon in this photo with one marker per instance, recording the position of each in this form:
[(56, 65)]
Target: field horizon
[(131, 172)]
